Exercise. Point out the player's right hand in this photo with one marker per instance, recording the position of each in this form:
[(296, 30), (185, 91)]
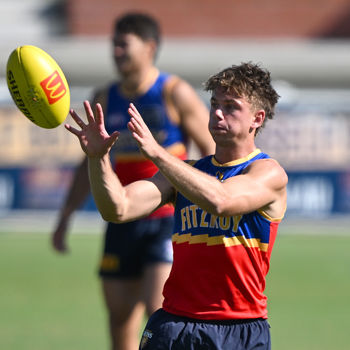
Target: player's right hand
[(149, 147), (93, 137)]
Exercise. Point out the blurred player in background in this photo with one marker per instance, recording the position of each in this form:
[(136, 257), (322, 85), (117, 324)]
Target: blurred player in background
[(137, 255), (228, 207)]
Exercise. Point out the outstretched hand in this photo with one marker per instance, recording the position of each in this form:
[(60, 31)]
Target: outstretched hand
[(141, 133), (93, 137)]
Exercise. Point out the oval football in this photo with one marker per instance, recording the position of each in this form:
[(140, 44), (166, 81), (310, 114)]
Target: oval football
[(38, 86)]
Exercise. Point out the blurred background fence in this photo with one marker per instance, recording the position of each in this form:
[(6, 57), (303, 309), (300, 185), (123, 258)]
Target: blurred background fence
[(305, 44)]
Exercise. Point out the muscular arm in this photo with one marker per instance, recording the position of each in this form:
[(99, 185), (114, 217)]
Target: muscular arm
[(115, 202), (262, 186), (118, 203)]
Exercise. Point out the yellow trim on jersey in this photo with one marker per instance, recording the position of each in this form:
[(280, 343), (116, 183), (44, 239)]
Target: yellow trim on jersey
[(237, 161), (220, 240), (268, 217), (192, 162)]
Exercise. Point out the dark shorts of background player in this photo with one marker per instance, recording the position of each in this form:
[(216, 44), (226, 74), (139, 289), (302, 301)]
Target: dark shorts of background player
[(165, 331), (131, 246)]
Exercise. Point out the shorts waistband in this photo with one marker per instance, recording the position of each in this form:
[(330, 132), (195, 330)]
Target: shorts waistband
[(217, 322)]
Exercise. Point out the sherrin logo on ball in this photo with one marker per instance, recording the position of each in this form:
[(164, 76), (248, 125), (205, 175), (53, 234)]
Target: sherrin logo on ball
[(38, 86)]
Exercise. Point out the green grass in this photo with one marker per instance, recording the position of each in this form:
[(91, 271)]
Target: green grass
[(48, 301), (308, 290)]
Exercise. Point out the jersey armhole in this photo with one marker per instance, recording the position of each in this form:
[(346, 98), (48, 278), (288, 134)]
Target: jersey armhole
[(268, 217)]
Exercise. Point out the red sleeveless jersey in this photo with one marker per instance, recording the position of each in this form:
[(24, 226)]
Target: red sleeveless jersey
[(220, 263)]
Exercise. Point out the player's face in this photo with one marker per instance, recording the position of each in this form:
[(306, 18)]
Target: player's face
[(231, 117), (131, 52)]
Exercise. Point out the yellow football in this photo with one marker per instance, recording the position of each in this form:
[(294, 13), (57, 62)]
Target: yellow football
[(38, 86)]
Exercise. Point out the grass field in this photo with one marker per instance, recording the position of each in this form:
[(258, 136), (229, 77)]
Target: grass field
[(53, 302), (48, 301), (308, 290)]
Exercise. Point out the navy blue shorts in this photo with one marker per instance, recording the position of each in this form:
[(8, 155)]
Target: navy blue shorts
[(131, 246), (165, 331)]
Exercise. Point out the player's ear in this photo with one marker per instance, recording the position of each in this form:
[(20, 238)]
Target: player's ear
[(258, 119)]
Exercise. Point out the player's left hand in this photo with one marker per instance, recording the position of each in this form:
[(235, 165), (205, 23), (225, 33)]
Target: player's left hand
[(93, 137), (141, 133)]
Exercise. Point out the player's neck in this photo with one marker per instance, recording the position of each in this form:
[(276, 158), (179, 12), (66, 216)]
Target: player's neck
[(138, 82), (226, 154)]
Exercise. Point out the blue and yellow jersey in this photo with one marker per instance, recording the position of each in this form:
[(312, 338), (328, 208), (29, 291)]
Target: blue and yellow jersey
[(129, 164), (220, 263)]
